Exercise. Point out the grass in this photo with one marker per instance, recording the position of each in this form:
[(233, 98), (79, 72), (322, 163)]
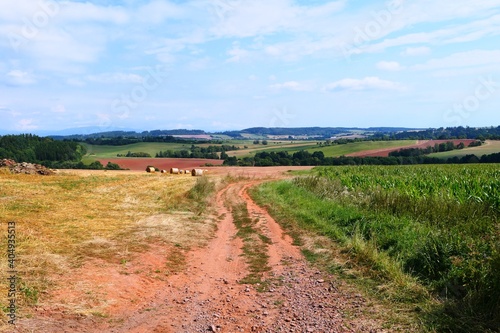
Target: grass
[(422, 237), (98, 151), (200, 192), (255, 245), (490, 147), (329, 151), (339, 150), (67, 220)]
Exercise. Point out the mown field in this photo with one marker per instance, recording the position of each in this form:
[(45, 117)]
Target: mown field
[(427, 237), (68, 220)]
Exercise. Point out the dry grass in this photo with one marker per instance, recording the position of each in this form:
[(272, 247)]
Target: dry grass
[(64, 221)]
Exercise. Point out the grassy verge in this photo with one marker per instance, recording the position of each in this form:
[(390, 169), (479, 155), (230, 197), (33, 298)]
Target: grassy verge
[(435, 256)]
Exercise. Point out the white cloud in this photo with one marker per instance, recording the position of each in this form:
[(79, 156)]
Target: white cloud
[(199, 64), (251, 18), (237, 54), (367, 83), (291, 85), (26, 124), (416, 51), (462, 60), (158, 11), (72, 11), (115, 78), (18, 77), (393, 66), (75, 82), (452, 34)]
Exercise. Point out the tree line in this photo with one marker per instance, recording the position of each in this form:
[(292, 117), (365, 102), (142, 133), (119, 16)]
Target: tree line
[(437, 148), (305, 158), (210, 152), (460, 132)]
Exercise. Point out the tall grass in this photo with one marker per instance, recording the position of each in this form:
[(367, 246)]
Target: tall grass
[(199, 194), (438, 225)]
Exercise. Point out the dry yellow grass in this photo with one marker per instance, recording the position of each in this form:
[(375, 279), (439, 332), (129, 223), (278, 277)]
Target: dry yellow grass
[(65, 220)]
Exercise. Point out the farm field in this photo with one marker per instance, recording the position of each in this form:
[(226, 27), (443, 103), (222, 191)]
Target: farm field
[(329, 151), (365, 148), (125, 251), (489, 147), (98, 151), (360, 147), (427, 235), (140, 164), (384, 152)]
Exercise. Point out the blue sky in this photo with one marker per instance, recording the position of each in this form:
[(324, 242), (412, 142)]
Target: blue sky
[(230, 64)]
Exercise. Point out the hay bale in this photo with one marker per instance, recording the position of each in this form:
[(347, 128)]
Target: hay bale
[(150, 169), (197, 172), (174, 171), (163, 171)]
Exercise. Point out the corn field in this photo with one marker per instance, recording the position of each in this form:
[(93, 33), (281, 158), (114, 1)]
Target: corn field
[(479, 183), (438, 224)]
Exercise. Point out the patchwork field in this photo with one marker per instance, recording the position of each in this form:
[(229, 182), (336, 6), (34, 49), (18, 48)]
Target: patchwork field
[(248, 148), (489, 147)]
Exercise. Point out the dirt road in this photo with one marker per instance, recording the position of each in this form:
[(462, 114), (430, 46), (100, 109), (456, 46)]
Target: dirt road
[(208, 294)]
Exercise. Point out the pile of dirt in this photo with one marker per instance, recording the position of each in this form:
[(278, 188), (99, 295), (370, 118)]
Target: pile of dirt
[(26, 168)]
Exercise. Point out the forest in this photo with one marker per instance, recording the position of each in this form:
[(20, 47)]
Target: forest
[(35, 149)]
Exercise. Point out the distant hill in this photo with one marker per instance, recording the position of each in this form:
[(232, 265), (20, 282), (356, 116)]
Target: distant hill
[(316, 133)]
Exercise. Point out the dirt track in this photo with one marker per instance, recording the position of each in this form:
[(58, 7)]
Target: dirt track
[(207, 296)]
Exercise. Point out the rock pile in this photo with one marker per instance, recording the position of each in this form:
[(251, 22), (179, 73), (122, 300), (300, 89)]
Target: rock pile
[(26, 168)]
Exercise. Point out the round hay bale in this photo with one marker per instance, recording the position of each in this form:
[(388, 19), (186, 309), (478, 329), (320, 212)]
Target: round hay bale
[(174, 171), (150, 169), (163, 171), (197, 172)]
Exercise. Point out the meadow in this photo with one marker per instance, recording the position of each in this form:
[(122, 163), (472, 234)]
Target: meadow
[(426, 238)]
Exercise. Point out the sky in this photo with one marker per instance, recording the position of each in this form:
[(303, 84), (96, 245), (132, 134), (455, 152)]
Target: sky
[(223, 65)]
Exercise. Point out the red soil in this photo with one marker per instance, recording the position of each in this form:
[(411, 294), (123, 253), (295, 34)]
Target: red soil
[(160, 163), (421, 144), (206, 295)]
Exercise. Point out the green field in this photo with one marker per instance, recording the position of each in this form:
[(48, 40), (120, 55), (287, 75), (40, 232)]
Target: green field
[(98, 151), (247, 147), (424, 237), (339, 150), (490, 147), (152, 148), (329, 151)]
